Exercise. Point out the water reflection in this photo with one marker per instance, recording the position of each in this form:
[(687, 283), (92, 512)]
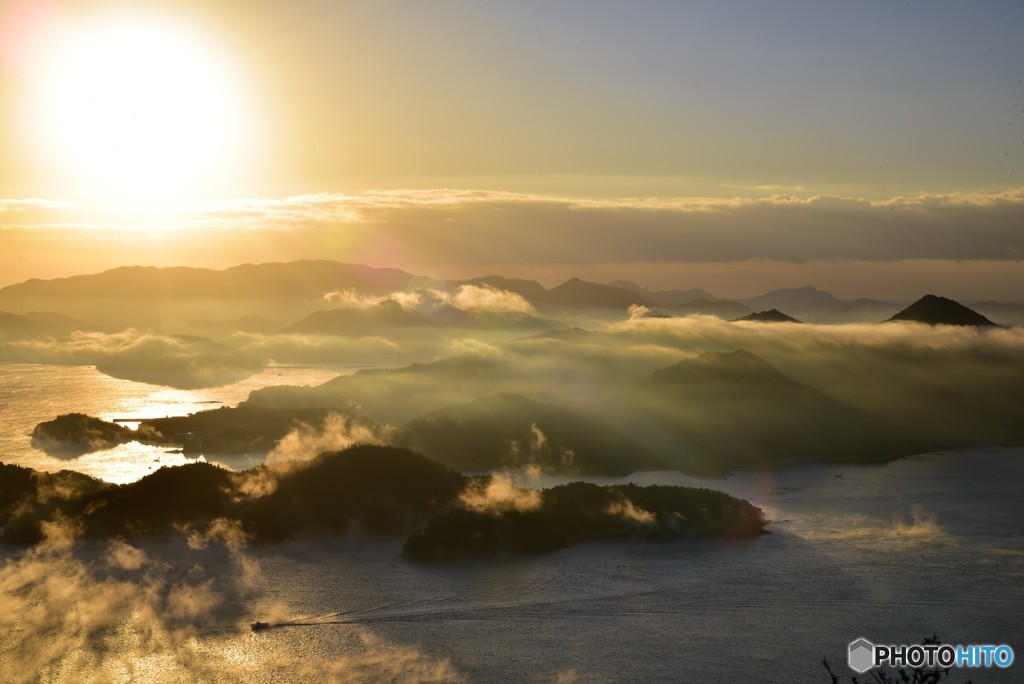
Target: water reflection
[(33, 393)]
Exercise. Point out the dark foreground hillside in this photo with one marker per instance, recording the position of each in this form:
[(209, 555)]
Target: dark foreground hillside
[(371, 489)]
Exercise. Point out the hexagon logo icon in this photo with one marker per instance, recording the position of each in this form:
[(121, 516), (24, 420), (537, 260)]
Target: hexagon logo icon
[(862, 655)]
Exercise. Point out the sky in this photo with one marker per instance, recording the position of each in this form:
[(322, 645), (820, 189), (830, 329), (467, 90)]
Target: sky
[(872, 148)]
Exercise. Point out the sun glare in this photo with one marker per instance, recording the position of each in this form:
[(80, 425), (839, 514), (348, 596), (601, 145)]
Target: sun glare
[(138, 111)]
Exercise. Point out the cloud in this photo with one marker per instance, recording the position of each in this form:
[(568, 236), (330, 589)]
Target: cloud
[(636, 311), (93, 609), (356, 300), (337, 432), (920, 524), (444, 226), (882, 372), (125, 556), (497, 494), (540, 450), (189, 602), (255, 482), (465, 297), (19, 206), (177, 360), (916, 526), (709, 331), (463, 226), (627, 510), (379, 661), (474, 297), (733, 246), (72, 610), (328, 349)]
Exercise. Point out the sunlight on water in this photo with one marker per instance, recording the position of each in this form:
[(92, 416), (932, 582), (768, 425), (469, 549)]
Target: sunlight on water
[(128, 462), (891, 552), (33, 393), (158, 402)]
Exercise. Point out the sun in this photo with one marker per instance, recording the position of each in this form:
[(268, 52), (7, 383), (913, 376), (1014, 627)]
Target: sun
[(136, 110)]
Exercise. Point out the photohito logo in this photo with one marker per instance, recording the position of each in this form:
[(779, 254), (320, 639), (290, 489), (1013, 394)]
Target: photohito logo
[(863, 655)]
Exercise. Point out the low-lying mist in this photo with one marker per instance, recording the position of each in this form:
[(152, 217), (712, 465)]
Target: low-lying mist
[(698, 394), (675, 392), (171, 609), (503, 373), (181, 361)]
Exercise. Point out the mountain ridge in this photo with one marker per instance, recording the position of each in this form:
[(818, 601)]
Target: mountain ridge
[(309, 281), (935, 310)]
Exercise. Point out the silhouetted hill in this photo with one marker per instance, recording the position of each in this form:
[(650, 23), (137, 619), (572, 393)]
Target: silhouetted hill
[(29, 497), (36, 324), (581, 511), (73, 434), (860, 310), (13, 326), (512, 320), (397, 395), (447, 316), (510, 431), (253, 324), (167, 500), (530, 290), (246, 429), (738, 367), (375, 490), (806, 298), (357, 322), (936, 310), (723, 308), (769, 316), (573, 293), (582, 294), (722, 410), (664, 298), (382, 490), (57, 321), (293, 280)]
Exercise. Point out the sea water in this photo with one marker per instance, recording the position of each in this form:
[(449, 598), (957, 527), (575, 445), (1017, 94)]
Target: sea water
[(34, 393), (893, 553)]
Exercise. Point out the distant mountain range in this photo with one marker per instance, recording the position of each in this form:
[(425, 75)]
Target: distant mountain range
[(292, 280), (723, 308), (805, 298), (665, 298), (808, 303), (307, 282)]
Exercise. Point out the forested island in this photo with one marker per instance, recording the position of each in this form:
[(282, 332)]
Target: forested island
[(375, 490)]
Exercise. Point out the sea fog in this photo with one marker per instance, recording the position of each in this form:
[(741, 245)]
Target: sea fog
[(929, 544), (894, 553)]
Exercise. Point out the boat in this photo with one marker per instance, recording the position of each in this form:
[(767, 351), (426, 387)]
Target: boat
[(260, 626)]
